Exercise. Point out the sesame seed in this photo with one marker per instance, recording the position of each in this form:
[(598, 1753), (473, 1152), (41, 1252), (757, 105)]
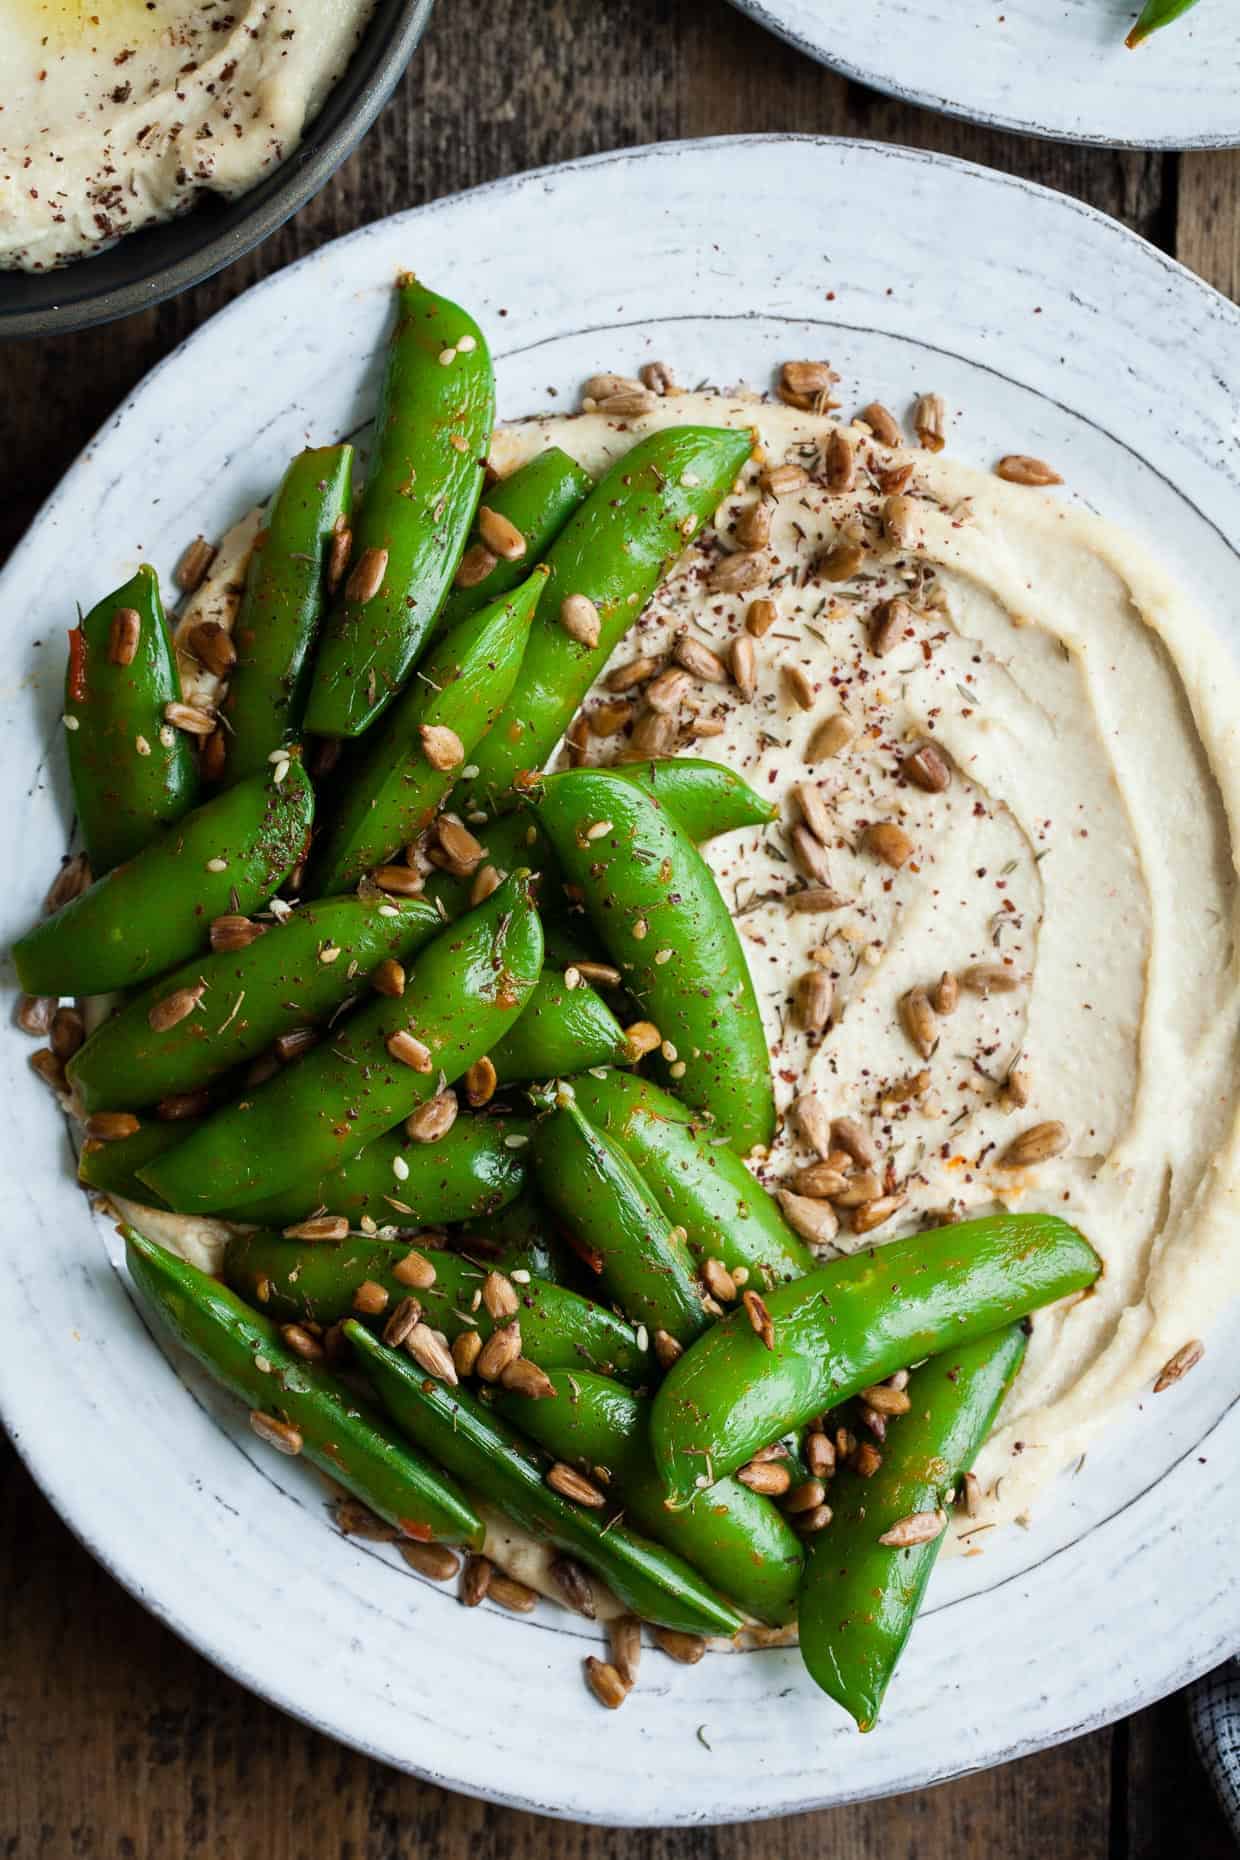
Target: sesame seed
[(678, 1070), (519, 1276), (167, 735), (278, 755), (142, 746), (668, 1050), (280, 771), (388, 910), (663, 955), (217, 865), (71, 723), (400, 1168), (466, 344), (447, 357), (467, 774), (515, 1142)]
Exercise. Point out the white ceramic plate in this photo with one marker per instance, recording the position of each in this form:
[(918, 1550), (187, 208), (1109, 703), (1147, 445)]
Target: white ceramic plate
[(1056, 332), (1055, 68)]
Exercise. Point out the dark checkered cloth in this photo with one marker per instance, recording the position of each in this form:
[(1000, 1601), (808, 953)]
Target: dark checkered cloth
[(1214, 1708)]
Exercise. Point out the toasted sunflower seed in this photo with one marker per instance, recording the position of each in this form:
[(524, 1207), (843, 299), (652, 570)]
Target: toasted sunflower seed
[(828, 738), (435, 1561), (400, 1324), (281, 1435), (499, 1295), (339, 552), (814, 810), (815, 995), (876, 1213), (441, 746), (1186, 1357), (605, 1683), (990, 978), (1037, 1144), (1019, 468), (841, 560), (643, 1037), (810, 1116), (666, 693), (73, 878), (699, 660), (718, 1281), (432, 1120), (189, 718), (820, 1182), (466, 1348), (212, 646), (809, 378), (573, 1485), (945, 995), (388, 978), (919, 1021), (766, 1476), (501, 536), (759, 1317), (502, 1347), (370, 1298), (319, 1227), (580, 619), (841, 463), (928, 767), (521, 1377), (889, 842), (68, 1030), (194, 564), (366, 576), (635, 672), (667, 1350), (930, 421), (124, 636), (479, 1571), (175, 1008), (753, 526), (480, 1082), (819, 1451), (889, 625), (409, 1051), (886, 1400), (779, 480), (855, 1140), (516, 1596), (302, 1343), (919, 1527), (431, 1353), (883, 424), (232, 931), (815, 1221), (111, 1126), (34, 1013), (686, 1649), (760, 617), (736, 574)]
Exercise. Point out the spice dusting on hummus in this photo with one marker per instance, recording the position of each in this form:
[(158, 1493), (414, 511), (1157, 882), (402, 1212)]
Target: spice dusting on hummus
[(115, 116)]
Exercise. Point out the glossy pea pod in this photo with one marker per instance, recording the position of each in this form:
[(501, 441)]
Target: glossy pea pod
[(736, 1538), (291, 1280), (1154, 15), (848, 1325), (464, 992), (537, 499), (518, 1237), (615, 551), (431, 433), (112, 1168), (297, 974), (343, 1436), (490, 1457), (132, 772), (656, 908), (403, 772), (282, 607), (561, 1030), (229, 855), (860, 1598)]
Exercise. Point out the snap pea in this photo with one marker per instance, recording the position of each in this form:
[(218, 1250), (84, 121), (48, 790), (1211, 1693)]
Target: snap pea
[(850, 1324), (736, 1538), (562, 1029), (285, 588), (464, 992), (614, 551), (132, 773), (295, 975), (860, 1598), (431, 433), (537, 499), (656, 907), (616, 1225), (518, 1237), (467, 1174), (392, 792), (490, 1457), (293, 1279), (152, 913), (336, 1431), (1155, 14), (702, 1183), (112, 1168)]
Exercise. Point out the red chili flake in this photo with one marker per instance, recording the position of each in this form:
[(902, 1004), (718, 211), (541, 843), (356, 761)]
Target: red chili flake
[(77, 665)]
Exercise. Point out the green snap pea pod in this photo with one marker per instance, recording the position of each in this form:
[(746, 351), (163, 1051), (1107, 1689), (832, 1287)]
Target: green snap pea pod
[(343, 1436), (614, 551), (281, 608), (850, 1324), (657, 909), (291, 1279), (112, 1168), (152, 913), (697, 1177), (490, 1457), (860, 1597), (132, 773), (537, 499), (295, 975), (431, 433), (562, 1029), (400, 777), (738, 1540), (468, 1173), (1155, 14), (518, 1237), (464, 992), (616, 1225)]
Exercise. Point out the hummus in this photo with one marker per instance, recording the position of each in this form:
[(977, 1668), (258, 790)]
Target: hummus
[(115, 116)]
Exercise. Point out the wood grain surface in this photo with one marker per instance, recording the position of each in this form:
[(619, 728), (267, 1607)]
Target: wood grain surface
[(115, 1739)]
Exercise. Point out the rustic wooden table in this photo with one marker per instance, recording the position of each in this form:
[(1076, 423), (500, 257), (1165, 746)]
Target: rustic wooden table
[(114, 1738)]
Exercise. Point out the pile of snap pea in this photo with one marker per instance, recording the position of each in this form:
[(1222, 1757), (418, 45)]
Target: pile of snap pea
[(468, 1056)]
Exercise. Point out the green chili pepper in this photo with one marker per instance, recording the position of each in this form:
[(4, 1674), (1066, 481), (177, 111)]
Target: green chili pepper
[(132, 773), (736, 1538), (702, 1183), (281, 609), (850, 1324), (342, 1435), (462, 995), (404, 771), (293, 1279), (230, 855), (614, 551), (860, 1597), (1155, 14), (299, 973), (616, 1225), (431, 433), (538, 499), (490, 1457), (467, 1174), (656, 907), (562, 1029), (112, 1168)]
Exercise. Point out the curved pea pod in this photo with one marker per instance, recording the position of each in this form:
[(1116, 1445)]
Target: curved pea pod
[(467, 1174), (112, 1168), (736, 1538), (340, 1434), (285, 591), (294, 975), (132, 773), (657, 910), (464, 992), (848, 1325), (705, 798), (562, 1029), (290, 1279), (403, 773), (537, 499), (616, 1225), (1154, 15), (615, 551), (431, 433), (520, 1238), (697, 1177), (860, 1597), (489, 1456), (229, 855)]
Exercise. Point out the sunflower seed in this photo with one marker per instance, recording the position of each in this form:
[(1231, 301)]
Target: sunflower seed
[(930, 421), (435, 1561), (928, 767), (605, 1683), (1019, 468), (917, 1017), (828, 738), (281, 1435), (441, 746), (573, 1485), (501, 537), (366, 576), (919, 1527), (1186, 1357), (1037, 1144), (889, 842), (883, 424)]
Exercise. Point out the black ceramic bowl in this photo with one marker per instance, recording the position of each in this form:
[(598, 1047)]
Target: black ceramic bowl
[(148, 266)]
